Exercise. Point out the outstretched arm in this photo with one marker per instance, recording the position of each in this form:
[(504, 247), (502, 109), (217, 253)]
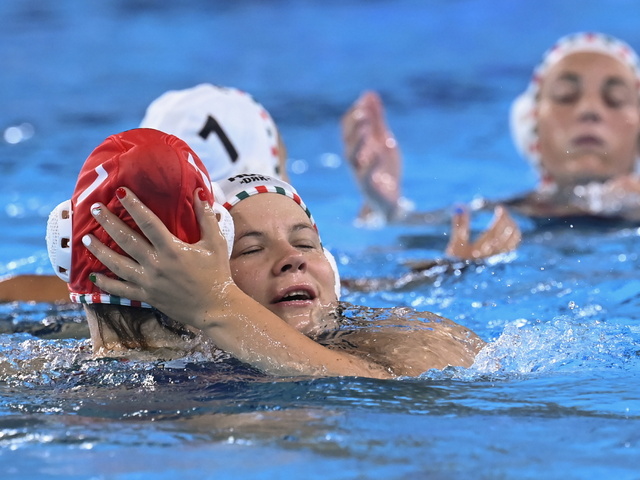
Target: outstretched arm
[(373, 154), (33, 288), (192, 283)]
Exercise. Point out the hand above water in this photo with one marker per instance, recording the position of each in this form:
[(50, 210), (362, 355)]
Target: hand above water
[(373, 154), (503, 235), (182, 280)]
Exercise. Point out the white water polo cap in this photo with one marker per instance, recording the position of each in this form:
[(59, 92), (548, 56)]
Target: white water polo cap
[(226, 127), (237, 188), (523, 115)]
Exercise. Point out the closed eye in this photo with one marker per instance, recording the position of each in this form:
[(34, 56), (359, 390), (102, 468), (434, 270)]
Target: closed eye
[(304, 237), (306, 246), (250, 250), (248, 243), (566, 89), (616, 93)]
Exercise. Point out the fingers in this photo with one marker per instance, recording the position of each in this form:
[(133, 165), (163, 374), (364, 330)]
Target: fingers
[(128, 239), (504, 225), (363, 121), (503, 235), (148, 223), (459, 243), (210, 234), (166, 272), (121, 265), (511, 232), (119, 288), (372, 102), (354, 126), (513, 240)]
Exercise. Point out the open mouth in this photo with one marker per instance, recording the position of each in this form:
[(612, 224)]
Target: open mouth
[(296, 295)]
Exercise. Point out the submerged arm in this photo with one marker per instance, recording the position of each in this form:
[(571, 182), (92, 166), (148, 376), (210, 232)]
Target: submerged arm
[(192, 283)]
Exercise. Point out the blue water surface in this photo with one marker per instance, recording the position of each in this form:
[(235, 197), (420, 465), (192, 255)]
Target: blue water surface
[(555, 393)]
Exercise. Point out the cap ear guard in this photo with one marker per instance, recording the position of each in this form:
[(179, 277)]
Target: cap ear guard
[(225, 223), (59, 228), (336, 273), (522, 123)]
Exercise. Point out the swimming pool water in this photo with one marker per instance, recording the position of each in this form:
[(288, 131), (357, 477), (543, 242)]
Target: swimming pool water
[(554, 395)]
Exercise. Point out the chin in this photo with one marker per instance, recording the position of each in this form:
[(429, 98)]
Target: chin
[(587, 170), (594, 176)]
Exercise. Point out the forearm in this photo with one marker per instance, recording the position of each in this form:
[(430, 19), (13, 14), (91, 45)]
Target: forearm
[(192, 284), (33, 288), (255, 335)]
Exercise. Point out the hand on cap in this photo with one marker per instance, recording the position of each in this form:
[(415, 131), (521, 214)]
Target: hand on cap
[(503, 235), (177, 278)]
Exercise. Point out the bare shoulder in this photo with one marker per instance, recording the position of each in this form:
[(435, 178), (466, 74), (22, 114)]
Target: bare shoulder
[(409, 342)]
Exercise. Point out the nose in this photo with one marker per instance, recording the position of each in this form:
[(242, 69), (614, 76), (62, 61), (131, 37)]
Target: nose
[(290, 261), (590, 109)]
